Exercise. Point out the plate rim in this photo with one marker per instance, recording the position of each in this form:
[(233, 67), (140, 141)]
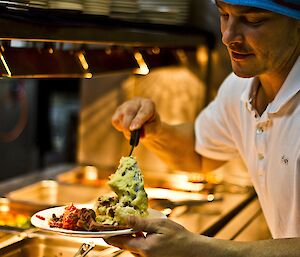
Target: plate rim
[(35, 221)]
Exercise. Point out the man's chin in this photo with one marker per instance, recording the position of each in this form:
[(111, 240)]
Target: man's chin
[(243, 71), (243, 74)]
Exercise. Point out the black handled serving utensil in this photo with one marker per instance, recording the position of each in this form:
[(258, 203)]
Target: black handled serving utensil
[(134, 139)]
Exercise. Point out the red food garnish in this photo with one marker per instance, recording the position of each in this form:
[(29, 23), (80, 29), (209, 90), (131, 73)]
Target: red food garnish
[(40, 217)]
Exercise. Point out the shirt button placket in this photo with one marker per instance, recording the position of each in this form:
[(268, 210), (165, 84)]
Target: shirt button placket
[(260, 141), (259, 131), (261, 156)]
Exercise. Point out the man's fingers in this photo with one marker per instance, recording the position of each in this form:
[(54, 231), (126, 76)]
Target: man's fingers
[(133, 114), (126, 242), (144, 114), (124, 115), (144, 224), (130, 115), (118, 241)]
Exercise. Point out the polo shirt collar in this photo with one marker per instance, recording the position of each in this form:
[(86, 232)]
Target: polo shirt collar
[(290, 88), (249, 94)]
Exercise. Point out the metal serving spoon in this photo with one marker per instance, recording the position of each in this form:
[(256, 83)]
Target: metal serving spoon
[(84, 249)]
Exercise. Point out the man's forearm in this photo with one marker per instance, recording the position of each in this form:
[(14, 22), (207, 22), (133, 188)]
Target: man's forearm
[(208, 247), (274, 248), (175, 146)]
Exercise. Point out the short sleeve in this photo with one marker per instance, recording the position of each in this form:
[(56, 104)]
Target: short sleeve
[(213, 126)]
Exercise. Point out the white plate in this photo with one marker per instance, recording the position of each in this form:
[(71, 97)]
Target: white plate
[(47, 214)]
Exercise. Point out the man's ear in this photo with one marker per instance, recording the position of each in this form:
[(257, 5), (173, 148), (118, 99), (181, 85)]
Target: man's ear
[(298, 27)]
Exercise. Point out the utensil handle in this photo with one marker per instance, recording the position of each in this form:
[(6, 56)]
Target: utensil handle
[(135, 137), (84, 249)]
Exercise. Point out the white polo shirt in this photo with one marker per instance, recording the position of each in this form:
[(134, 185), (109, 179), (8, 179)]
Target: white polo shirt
[(268, 144)]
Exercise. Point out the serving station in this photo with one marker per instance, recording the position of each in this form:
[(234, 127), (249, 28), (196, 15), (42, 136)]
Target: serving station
[(211, 208)]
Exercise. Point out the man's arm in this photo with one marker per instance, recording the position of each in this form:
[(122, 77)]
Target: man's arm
[(263, 248), (169, 239), (174, 144)]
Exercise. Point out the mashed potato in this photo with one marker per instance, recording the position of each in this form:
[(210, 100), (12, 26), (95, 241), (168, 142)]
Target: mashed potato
[(131, 199)]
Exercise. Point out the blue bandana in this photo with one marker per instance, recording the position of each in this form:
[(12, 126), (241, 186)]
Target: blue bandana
[(289, 8)]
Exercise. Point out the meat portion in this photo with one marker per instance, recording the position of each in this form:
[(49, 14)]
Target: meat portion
[(80, 219)]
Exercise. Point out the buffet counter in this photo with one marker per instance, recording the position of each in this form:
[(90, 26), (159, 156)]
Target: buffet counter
[(220, 210)]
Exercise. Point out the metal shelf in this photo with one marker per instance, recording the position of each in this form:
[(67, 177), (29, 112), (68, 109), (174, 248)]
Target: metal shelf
[(68, 26)]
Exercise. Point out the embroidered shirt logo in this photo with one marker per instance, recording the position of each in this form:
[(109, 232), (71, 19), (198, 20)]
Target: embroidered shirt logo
[(284, 160)]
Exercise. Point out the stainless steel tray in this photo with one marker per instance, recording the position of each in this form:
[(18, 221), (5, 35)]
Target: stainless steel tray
[(48, 193), (52, 247), (94, 176), (15, 216), (86, 175), (4, 236)]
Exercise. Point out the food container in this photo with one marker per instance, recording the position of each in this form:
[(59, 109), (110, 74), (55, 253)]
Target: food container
[(53, 247), (93, 176), (86, 175), (5, 235), (49, 193), (15, 216)]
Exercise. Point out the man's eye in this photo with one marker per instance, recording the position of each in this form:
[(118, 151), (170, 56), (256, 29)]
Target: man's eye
[(224, 15), (254, 21)]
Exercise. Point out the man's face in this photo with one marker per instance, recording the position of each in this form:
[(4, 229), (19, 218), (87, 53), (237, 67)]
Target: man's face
[(258, 41)]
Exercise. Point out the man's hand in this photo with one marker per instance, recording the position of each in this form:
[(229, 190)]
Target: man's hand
[(174, 144), (164, 238), (169, 239), (137, 113)]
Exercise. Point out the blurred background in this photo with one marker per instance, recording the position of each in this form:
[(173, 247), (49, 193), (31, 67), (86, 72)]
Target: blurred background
[(53, 111)]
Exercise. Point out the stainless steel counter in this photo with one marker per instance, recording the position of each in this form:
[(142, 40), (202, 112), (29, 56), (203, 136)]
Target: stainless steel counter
[(208, 219), (205, 218), (227, 216), (33, 177)]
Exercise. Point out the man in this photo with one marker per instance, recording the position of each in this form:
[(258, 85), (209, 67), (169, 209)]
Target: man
[(256, 115)]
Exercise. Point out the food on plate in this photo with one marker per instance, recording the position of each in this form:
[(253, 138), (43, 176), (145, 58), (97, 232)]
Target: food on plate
[(109, 211), (73, 218), (82, 219)]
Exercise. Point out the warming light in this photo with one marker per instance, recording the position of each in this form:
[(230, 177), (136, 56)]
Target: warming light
[(83, 61), (5, 65), (182, 56), (173, 195), (202, 55), (88, 75), (91, 172), (143, 68), (4, 208), (155, 50)]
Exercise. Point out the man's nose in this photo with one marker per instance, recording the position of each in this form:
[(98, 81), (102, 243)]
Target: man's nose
[(231, 32)]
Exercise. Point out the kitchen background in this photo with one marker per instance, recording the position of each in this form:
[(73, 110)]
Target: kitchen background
[(50, 120)]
